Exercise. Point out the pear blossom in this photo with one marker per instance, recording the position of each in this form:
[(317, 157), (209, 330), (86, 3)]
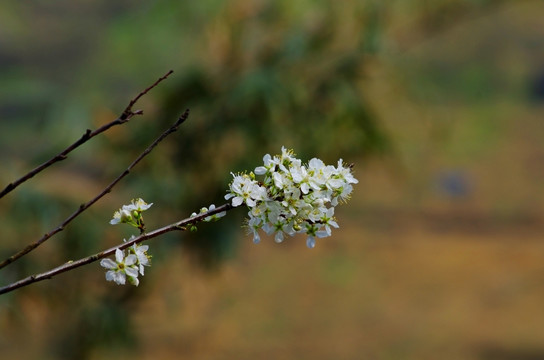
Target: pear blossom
[(292, 197), (138, 205), (126, 268), (142, 257), (121, 268), (245, 189), (122, 215), (131, 214), (269, 164)]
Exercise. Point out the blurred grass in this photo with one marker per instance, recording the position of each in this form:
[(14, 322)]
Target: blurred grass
[(438, 254), (404, 293)]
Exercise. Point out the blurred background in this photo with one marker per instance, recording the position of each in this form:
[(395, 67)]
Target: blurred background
[(438, 103)]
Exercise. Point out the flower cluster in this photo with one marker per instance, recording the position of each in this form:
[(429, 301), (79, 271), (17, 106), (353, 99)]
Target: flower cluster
[(129, 266), (132, 264), (131, 214), (293, 197)]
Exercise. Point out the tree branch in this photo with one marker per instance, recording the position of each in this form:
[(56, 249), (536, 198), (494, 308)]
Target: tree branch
[(108, 188), (125, 117), (70, 265)]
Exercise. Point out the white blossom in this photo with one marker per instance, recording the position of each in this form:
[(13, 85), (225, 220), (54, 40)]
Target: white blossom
[(142, 257), (292, 197), (245, 189), (121, 268), (126, 268), (121, 216), (138, 205), (131, 214)]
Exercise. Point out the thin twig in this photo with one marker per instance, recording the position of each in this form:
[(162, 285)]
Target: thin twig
[(125, 117), (108, 188), (70, 265)]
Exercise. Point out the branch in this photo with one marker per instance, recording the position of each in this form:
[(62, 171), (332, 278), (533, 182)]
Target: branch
[(108, 188), (125, 117), (70, 265)]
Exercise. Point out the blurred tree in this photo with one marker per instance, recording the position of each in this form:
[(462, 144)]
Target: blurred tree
[(275, 74)]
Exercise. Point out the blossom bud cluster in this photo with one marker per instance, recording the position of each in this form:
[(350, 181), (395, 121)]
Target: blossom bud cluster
[(210, 218), (293, 197)]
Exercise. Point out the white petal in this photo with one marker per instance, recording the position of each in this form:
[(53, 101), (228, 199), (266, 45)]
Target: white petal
[(119, 277), (260, 170), (110, 275), (119, 255), (143, 259), (336, 183), (130, 260), (108, 264), (250, 202), (324, 233), (256, 237), (142, 248), (316, 164), (237, 201), (278, 237), (131, 271), (278, 179)]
